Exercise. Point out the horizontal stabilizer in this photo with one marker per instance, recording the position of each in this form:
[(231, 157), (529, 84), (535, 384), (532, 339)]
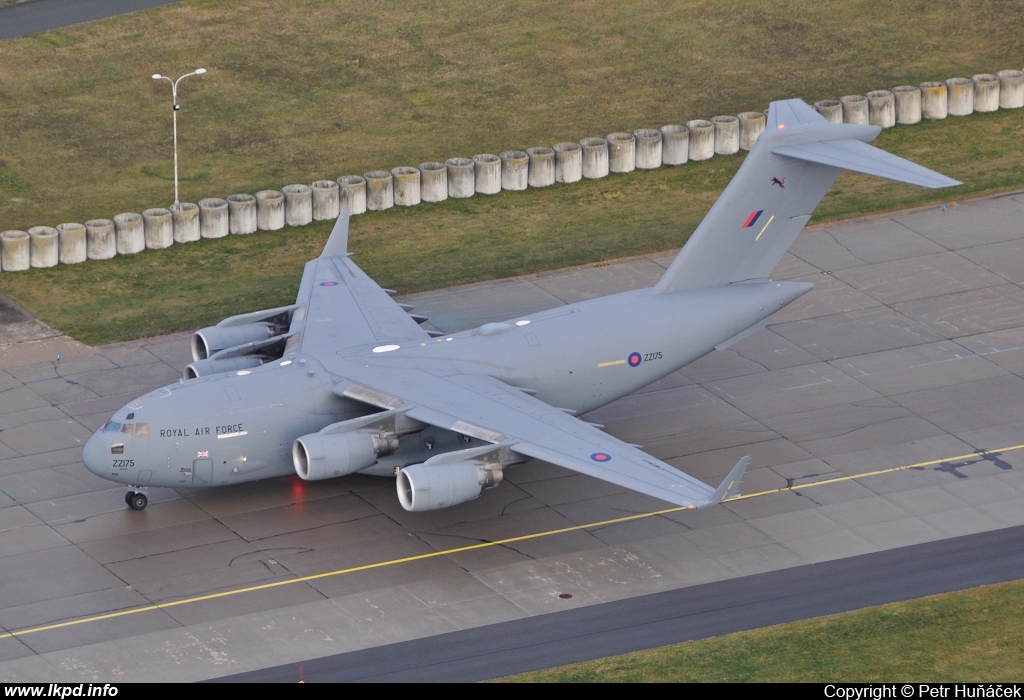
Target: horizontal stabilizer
[(790, 168), (860, 157)]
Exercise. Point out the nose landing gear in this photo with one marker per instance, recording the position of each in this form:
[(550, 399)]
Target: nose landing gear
[(136, 499)]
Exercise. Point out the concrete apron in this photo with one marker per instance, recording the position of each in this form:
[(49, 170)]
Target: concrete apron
[(909, 350)]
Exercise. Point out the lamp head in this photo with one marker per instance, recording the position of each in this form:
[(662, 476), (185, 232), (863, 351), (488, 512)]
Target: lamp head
[(200, 71), (157, 76)]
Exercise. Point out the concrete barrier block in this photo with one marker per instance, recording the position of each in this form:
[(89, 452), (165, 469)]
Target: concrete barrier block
[(959, 97), (352, 194), (1011, 89), (675, 144), (568, 162), (407, 186), (751, 126), (648, 148), (881, 108), (242, 214), (934, 100), (541, 166), (595, 157), (298, 204), (908, 104), (702, 139), (214, 219), (831, 110), (159, 230), (269, 210), (72, 243), (727, 134), (380, 190), (487, 173), (15, 251), (855, 109), (621, 152), (986, 93), (515, 170), (461, 177), (433, 182), (186, 218), (45, 246), (130, 233), (100, 241), (325, 200)]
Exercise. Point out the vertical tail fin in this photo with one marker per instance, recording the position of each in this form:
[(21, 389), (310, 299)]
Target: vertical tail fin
[(786, 174)]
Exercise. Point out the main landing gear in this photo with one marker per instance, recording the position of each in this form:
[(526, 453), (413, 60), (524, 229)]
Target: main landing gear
[(136, 499)]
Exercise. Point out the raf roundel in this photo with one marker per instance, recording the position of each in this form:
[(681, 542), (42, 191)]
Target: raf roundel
[(328, 284), (634, 359), (601, 457)]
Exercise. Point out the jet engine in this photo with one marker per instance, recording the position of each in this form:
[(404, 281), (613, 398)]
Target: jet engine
[(429, 487), (208, 341), (242, 342), (327, 455), (204, 368)]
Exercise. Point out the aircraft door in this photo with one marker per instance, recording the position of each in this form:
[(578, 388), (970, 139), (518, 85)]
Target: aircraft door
[(202, 471)]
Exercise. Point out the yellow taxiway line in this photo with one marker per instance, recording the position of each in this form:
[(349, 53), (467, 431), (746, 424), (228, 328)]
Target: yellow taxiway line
[(483, 545)]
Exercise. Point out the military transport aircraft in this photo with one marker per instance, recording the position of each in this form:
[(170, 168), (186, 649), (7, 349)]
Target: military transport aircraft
[(345, 380)]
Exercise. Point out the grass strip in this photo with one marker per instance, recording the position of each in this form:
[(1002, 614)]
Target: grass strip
[(485, 237), (968, 636)]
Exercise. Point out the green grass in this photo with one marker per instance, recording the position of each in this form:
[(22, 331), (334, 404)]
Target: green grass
[(484, 237), (974, 635), (315, 89)]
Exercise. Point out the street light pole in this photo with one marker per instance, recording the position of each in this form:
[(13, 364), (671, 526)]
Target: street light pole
[(176, 107)]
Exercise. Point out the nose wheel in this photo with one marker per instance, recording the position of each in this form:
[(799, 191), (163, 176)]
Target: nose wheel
[(137, 500)]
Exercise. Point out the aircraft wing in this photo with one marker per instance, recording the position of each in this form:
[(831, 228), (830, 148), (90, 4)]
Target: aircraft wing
[(488, 409), (343, 307)]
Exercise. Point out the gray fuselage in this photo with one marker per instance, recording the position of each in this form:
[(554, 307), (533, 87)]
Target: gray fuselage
[(240, 426)]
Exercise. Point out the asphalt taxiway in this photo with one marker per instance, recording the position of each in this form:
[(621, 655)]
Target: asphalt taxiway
[(906, 363), (37, 16)]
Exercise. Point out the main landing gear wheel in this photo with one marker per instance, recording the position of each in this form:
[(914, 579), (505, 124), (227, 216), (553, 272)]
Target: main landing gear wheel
[(138, 501), (128, 497)]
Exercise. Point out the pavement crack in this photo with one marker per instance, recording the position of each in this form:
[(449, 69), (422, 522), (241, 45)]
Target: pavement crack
[(508, 505)]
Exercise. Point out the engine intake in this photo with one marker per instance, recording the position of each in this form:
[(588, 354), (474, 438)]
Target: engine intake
[(325, 456), (429, 487)]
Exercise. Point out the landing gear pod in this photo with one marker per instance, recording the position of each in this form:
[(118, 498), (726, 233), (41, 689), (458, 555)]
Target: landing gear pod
[(422, 487), (325, 456)]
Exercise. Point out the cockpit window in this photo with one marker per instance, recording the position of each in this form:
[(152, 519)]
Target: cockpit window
[(117, 448), (139, 430), (112, 427)]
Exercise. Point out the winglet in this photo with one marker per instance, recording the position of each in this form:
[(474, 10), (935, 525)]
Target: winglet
[(337, 244), (731, 484)]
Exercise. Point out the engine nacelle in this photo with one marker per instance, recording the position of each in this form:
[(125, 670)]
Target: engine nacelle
[(207, 341), (429, 487), (204, 368), (327, 455)]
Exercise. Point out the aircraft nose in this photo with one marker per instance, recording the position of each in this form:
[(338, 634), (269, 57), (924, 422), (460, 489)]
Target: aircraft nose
[(95, 454)]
